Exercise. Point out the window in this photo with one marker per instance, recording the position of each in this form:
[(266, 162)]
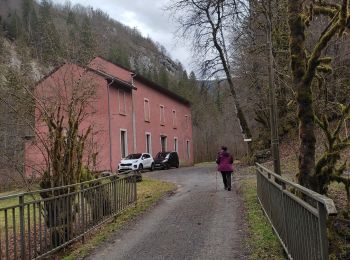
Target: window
[(186, 121), (146, 156), (146, 110), (163, 143), (162, 116), (174, 119), (175, 144), (148, 143), (123, 143), (188, 151), (122, 102)]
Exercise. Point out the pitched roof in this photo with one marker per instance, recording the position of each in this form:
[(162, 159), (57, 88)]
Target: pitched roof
[(123, 83), (151, 84), (106, 76)]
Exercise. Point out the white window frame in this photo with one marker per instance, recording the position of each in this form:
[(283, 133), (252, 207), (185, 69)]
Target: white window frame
[(121, 101), (126, 142), (150, 142), (174, 118), (176, 144), (188, 149), (147, 111), (162, 114)]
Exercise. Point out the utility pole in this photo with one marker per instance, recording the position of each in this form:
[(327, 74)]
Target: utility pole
[(273, 104)]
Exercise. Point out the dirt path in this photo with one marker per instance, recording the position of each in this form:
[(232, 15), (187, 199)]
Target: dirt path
[(198, 222)]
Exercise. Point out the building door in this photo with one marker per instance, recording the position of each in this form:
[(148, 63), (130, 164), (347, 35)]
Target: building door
[(163, 140), (188, 151), (175, 145), (148, 143), (123, 143)]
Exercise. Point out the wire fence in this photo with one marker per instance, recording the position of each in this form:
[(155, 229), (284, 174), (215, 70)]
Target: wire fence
[(298, 215), (36, 224)]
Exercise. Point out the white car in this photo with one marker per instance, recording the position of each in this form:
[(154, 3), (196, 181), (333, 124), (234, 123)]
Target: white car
[(136, 161)]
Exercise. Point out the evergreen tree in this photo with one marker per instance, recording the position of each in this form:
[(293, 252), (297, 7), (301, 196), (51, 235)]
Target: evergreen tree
[(192, 86), (72, 45), (154, 74), (87, 41), (35, 33), (148, 73), (119, 56), (181, 86), (13, 26), (49, 46), (27, 9), (71, 19), (163, 77)]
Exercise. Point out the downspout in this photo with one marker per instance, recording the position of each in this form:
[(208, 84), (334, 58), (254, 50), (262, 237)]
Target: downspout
[(133, 113), (110, 126)]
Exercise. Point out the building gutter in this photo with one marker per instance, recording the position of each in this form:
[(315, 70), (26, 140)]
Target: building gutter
[(110, 126), (133, 113)]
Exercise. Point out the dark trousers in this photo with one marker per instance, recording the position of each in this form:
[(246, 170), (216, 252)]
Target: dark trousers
[(226, 177)]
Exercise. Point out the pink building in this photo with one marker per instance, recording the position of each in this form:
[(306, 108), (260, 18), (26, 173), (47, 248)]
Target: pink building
[(128, 114)]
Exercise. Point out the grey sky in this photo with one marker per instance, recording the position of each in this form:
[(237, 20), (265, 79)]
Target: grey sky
[(149, 17)]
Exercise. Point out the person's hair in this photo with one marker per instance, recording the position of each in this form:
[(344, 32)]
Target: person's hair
[(224, 148)]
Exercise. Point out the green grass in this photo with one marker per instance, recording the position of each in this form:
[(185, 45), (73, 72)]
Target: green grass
[(262, 241), (13, 202), (149, 192)]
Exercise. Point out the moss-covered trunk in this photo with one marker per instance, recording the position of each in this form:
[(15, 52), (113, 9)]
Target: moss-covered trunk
[(306, 136), (306, 68), (304, 93)]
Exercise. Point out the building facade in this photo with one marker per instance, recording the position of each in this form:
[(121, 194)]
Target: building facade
[(128, 114)]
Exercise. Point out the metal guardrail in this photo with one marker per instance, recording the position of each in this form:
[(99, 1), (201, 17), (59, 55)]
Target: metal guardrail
[(36, 224), (297, 215)]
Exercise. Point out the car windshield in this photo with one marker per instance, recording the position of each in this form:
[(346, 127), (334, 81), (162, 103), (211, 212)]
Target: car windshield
[(162, 155), (133, 156)]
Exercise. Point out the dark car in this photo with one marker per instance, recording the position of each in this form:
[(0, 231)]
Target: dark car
[(165, 160)]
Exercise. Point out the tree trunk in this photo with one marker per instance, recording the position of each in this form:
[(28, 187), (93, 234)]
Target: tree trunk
[(306, 135), (304, 93), (221, 49), (239, 112)]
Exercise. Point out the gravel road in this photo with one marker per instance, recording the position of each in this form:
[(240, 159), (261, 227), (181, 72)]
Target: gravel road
[(197, 222)]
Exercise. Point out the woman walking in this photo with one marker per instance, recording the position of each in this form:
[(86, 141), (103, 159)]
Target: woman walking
[(225, 161)]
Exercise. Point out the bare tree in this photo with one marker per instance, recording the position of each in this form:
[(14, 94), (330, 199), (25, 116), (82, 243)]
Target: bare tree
[(208, 23), (62, 151), (64, 104)]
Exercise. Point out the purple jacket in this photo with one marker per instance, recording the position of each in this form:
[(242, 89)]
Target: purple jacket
[(224, 161)]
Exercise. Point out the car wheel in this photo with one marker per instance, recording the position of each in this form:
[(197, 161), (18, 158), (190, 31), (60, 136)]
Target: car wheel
[(152, 167), (177, 165), (140, 167), (166, 166)]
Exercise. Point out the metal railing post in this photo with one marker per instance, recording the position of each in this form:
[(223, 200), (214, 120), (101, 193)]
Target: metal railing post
[(283, 188), (322, 225), (115, 184), (135, 190), (21, 226), (82, 206)]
